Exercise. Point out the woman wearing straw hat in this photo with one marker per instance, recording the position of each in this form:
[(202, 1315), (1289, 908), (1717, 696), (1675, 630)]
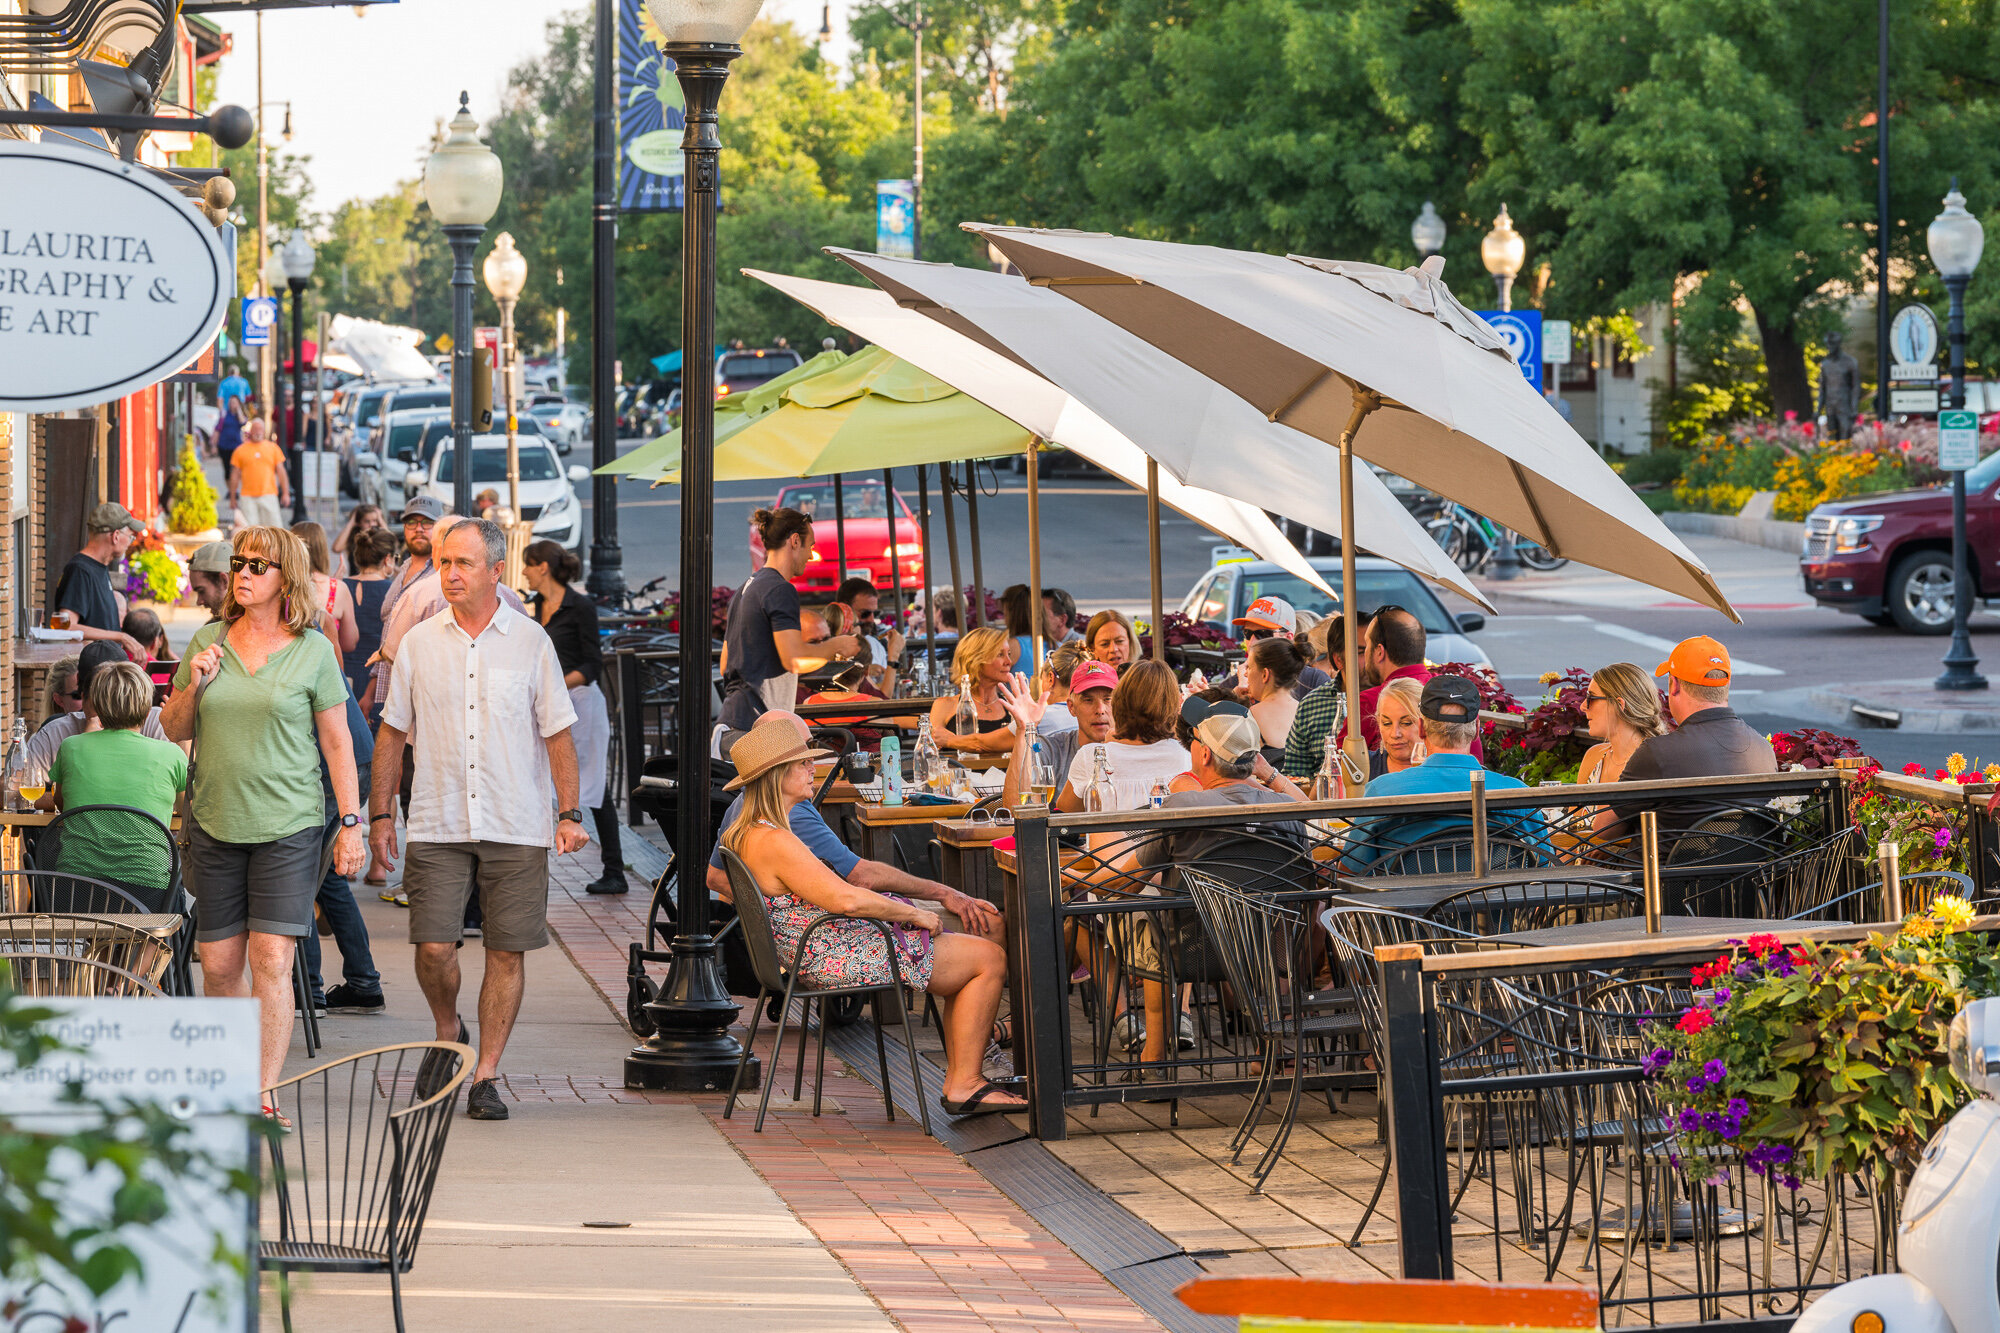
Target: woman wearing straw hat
[(965, 973)]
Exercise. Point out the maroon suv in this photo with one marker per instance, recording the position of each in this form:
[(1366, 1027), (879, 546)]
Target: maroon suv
[(1888, 557)]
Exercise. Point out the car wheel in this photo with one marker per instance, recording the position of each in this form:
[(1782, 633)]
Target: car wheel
[(1920, 593)]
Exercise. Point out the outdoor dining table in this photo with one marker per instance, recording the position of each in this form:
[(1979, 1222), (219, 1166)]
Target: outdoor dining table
[(872, 827), (13, 846), (966, 858), (1415, 895), (1629, 928)]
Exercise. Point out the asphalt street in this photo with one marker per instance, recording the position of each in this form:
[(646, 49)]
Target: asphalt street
[(1094, 544)]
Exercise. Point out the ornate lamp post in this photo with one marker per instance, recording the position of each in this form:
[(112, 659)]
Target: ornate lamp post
[(607, 561), (275, 282), (297, 259), (691, 1047), (1956, 240), (506, 272), (1427, 232), (1503, 250), (462, 184)]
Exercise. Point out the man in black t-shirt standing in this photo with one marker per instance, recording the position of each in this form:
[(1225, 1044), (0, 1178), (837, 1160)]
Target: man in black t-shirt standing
[(85, 588), (763, 649)]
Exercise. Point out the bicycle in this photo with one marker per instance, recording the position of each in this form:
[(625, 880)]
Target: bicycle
[(1472, 539)]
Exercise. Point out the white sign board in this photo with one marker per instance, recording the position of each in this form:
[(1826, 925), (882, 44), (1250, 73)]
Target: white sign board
[(198, 1059), (1556, 341), (1958, 440), (1915, 402), (109, 280), (1913, 343)]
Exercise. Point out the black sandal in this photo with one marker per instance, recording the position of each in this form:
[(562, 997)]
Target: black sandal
[(976, 1103), (1003, 1033)]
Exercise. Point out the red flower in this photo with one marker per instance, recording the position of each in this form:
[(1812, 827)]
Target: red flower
[(1707, 972), (1759, 945), (1942, 775), (1696, 1020), (1913, 769)]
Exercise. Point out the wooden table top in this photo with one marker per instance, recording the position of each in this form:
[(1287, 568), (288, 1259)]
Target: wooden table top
[(967, 833), (40, 925), (1375, 885), (33, 653), (876, 815)]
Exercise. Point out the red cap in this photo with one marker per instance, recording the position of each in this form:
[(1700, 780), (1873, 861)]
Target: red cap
[(1093, 675)]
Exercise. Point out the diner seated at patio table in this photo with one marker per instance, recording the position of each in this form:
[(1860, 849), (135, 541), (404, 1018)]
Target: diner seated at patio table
[(1450, 710), (1092, 685), (985, 657), (1623, 707), (1058, 670), (118, 764), (964, 973), (41, 749), (1111, 639), (1142, 749)]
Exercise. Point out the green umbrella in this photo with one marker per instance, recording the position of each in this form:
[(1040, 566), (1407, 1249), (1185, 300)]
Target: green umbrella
[(732, 413)]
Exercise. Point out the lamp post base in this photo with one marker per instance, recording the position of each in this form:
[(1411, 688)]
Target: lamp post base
[(1960, 673), (690, 1049)]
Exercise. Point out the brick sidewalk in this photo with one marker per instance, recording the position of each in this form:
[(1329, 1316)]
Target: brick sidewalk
[(922, 1232)]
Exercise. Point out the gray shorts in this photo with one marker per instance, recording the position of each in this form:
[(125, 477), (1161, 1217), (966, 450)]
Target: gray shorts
[(513, 892), (261, 886)]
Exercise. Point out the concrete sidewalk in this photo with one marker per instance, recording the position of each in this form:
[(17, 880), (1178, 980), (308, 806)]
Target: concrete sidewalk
[(1753, 578)]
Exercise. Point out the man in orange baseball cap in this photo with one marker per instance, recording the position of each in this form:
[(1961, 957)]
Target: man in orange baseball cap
[(1708, 739)]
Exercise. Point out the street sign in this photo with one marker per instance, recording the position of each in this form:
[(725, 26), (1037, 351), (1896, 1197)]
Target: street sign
[(1958, 440), (1913, 342), (896, 219), (260, 316), (444, 343), (487, 337), (1913, 402), (1521, 330), (1556, 340)]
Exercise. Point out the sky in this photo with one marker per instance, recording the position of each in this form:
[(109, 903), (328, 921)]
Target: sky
[(367, 88)]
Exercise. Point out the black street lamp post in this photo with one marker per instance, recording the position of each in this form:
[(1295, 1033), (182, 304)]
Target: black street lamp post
[(691, 1048), (1956, 240), (298, 259), (462, 184), (607, 558)]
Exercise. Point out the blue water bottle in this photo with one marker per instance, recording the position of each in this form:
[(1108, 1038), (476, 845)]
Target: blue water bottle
[(892, 770)]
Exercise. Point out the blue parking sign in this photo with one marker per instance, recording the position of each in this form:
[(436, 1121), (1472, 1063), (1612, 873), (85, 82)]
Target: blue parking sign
[(1522, 332), (260, 315)]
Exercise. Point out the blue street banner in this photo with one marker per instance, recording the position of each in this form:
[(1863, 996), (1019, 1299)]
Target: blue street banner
[(651, 112), (1521, 330), (896, 219), (260, 316)]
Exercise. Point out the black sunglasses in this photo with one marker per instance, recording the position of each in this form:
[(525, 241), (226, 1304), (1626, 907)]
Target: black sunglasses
[(255, 564), (1253, 635)]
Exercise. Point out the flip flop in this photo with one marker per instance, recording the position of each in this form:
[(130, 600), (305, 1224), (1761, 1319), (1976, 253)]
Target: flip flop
[(976, 1104), (277, 1117)]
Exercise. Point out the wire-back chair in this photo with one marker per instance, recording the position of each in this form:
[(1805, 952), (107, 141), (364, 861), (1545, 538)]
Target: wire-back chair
[(1265, 950), (1809, 883), (1498, 909), (1717, 866), (1451, 854), (118, 845), (775, 977), (354, 1173), (48, 976), (59, 891), (105, 939)]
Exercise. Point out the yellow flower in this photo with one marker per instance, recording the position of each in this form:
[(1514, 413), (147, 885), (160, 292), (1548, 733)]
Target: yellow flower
[(1551, 677), (1954, 763), (1993, 772), (1953, 911), (1920, 927)]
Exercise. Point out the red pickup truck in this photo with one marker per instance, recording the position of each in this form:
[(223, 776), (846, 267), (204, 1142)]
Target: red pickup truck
[(1887, 557)]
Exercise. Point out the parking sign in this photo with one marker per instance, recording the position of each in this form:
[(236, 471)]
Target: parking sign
[(1521, 330), (1958, 440), (260, 315)]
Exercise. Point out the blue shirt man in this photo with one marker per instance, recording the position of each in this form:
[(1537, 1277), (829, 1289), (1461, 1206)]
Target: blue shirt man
[(233, 386), (1450, 708)]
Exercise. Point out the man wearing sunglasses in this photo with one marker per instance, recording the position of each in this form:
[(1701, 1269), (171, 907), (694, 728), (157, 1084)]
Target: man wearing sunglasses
[(883, 642), (1273, 618)]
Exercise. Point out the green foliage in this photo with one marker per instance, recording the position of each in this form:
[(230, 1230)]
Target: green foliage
[(1721, 478), (190, 499), (1825, 1059), (44, 1229), (159, 569), (1660, 467)]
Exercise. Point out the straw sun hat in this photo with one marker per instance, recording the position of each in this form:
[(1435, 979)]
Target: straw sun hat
[(764, 748)]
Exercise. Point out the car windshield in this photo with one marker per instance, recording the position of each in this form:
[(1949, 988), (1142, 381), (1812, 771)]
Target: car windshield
[(857, 499), (1988, 472), (438, 433), (1372, 588), (404, 437), (752, 366), (367, 409), (490, 464), (404, 399)]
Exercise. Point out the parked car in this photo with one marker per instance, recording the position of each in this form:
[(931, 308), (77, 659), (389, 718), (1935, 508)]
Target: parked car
[(364, 406), (1887, 558), (379, 471), (1236, 580), (436, 439), (562, 422), (867, 537), (741, 369), (548, 491)]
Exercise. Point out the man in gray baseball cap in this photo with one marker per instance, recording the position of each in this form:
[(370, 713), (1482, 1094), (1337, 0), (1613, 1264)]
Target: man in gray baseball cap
[(208, 575), (85, 588)]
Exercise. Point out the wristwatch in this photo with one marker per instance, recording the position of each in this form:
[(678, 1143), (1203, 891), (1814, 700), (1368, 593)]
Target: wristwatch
[(573, 816), (350, 821)]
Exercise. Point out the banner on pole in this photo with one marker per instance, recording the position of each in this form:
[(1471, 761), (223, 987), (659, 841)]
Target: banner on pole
[(650, 116), (896, 219)]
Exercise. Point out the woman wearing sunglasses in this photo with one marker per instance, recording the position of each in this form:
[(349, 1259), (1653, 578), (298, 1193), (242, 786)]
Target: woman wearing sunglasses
[(267, 701), (1623, 706)]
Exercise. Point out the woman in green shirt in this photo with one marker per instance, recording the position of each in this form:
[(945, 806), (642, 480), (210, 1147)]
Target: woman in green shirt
[(273, 701), (118, 765)]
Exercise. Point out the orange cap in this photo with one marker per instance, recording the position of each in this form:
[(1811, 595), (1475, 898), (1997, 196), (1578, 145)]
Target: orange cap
[(1697, 661)]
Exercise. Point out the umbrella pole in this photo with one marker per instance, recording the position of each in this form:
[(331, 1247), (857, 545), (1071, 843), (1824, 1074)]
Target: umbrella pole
[(972, 536), (1365, 401), (840, 537), (1153, 556), (957, 583), (1035, 611), (924, 536), (895, 559)]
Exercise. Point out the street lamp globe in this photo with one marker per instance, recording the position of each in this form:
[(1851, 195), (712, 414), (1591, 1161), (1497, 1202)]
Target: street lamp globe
[(1427, 232), (298, 257), (716, 22), (506, 269), (463, 177), (1955, 237), (1503, 250), (275, 277)]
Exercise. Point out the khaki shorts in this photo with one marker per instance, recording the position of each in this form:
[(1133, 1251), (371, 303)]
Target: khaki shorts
[(513, 886)]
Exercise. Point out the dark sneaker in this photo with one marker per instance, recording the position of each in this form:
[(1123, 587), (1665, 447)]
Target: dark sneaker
[(610, 882), (483, 1102), (344, 999), (319, 1009), (435, 1071)]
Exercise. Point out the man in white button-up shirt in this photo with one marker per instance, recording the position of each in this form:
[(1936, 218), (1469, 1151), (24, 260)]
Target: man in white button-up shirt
[(478, 695)]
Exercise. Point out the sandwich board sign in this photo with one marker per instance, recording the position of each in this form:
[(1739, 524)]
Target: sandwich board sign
[(197, 1060), (110, 281)]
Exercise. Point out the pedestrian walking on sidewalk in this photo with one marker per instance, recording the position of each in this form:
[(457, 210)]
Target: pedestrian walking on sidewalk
[(272, 699), (259, 488), (478, 697)]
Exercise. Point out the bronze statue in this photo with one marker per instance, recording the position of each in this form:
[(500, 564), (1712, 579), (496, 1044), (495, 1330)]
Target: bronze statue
[(1839, 389)]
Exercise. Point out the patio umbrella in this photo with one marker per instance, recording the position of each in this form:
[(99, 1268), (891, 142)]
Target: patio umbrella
[(731, 415), (1323, 346)]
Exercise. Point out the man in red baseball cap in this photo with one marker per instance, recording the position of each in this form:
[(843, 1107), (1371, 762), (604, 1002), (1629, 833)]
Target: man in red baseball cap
[(1708, 739), (1090, 688)]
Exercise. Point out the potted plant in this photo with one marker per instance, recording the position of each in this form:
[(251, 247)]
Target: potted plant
[(191, 518)]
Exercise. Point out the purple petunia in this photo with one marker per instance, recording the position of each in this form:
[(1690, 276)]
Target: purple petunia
[(1722, 994), (1715, 1071), (1780, 965), (1655, 1062), (1690, 1120), (1941, 839)]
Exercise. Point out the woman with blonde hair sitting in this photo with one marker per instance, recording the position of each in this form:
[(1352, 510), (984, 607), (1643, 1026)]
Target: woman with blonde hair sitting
[(1623, 707), (964, 973), (986, 658)]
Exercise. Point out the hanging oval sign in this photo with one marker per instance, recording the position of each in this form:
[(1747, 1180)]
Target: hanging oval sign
[(109, 280)]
